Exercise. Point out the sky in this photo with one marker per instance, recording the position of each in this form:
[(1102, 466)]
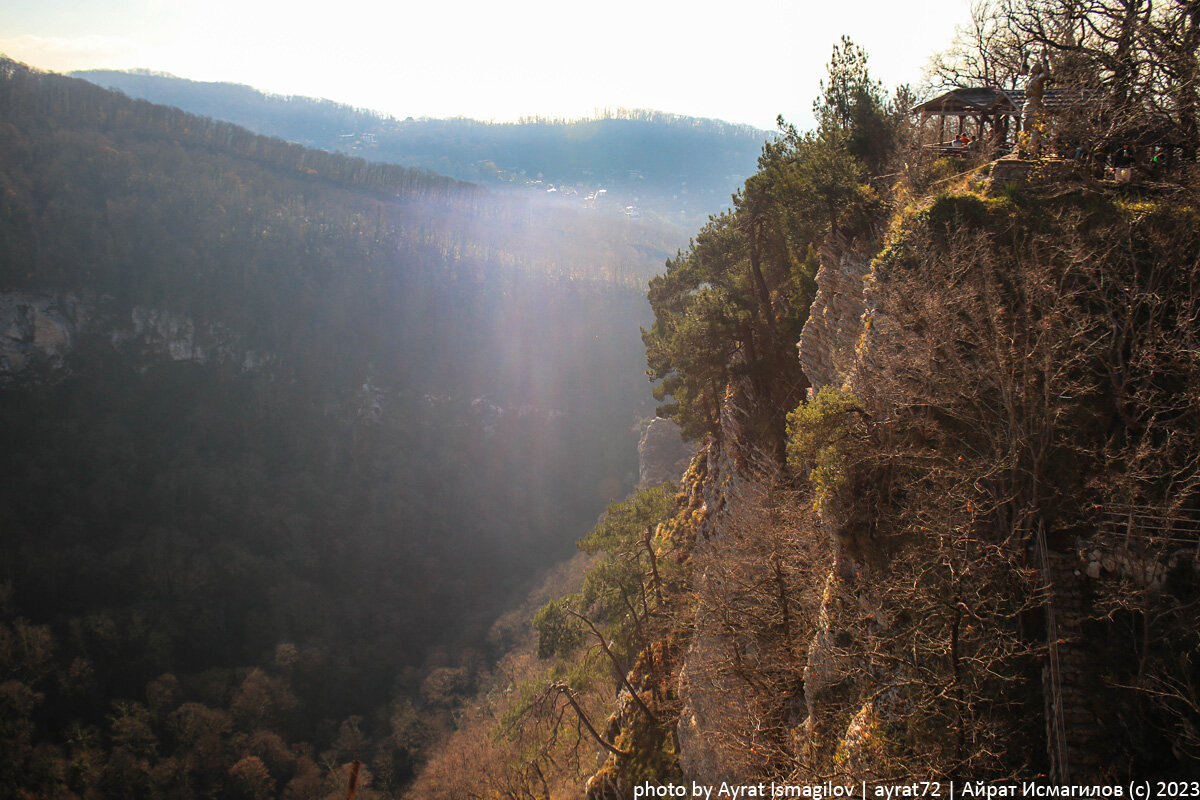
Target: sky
[(745, 61)]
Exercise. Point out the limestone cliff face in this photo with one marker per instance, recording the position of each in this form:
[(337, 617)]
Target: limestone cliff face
[(727, 483), (832, 353), (43, 329), (753, 663), (829, 341), (37, 327), (854, 647), (740, 537)]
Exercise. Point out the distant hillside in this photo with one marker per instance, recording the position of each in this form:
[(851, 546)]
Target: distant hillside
[(283, 419), (679, 168)]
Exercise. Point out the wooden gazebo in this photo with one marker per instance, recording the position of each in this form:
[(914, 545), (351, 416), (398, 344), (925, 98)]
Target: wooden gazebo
[(989, 108), (992, 109)]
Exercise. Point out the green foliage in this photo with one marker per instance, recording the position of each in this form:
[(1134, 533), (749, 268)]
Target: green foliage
[(855, 106), (624, 613), (729, 305), (559, 633), (622, 591), (625, 524), (818, 432), (689, 347), (826, 184)]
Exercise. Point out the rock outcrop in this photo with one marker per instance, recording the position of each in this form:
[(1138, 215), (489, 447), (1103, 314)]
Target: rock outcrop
[(829, 341), (37, 328), (737, 537), (847, 657), (43, 329)]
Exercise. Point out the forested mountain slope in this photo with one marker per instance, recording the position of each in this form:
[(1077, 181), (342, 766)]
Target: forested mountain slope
[(680, 168), (281, 430)]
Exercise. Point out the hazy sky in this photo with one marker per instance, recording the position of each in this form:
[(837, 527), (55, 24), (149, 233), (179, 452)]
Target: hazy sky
[(738, 60)]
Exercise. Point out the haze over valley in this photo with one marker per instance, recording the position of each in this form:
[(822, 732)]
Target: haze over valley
[(259, 396)]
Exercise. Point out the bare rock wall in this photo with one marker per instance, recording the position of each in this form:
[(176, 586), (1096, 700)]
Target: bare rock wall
[(829, 341)]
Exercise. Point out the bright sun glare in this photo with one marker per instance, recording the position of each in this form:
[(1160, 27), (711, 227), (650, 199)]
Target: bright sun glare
[(746, 62)]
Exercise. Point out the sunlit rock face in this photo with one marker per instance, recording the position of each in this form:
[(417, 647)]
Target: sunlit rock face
[(662, 455), (728, 485), (830, 337), (739, 534)]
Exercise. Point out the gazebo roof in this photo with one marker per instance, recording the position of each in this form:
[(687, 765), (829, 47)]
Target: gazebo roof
[(971, 102), (987, 101)]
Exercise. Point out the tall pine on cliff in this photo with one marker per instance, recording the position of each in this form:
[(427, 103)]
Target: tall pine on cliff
[(734, 302)]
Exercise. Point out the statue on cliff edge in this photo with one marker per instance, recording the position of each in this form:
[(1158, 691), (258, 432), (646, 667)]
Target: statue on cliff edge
[(1033, 113)]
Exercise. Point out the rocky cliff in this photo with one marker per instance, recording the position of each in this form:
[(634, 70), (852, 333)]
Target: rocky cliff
[(744, 552), (763, 651), (918, 582), (43, 329), (831, 335)]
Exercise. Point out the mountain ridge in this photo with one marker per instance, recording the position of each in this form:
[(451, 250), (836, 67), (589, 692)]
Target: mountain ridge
[(679, 168)]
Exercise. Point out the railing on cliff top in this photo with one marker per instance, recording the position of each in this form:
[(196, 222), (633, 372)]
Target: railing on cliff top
[(1152, 525)]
